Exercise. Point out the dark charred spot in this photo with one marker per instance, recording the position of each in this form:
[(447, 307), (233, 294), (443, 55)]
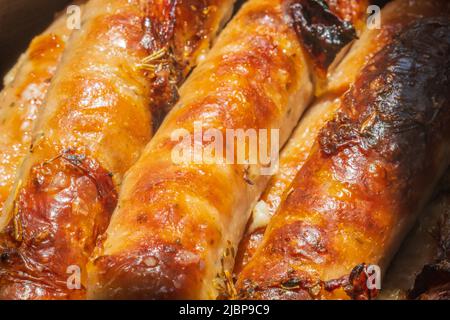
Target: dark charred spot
[(397, 106), (298, 285), (4, 257), (337, 135), (321, 32), (291, 283)]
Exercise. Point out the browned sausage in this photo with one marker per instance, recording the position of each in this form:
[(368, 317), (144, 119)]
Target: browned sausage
[(369, 174), (24, 90), (124, 63), (177, 225), (395, 17)]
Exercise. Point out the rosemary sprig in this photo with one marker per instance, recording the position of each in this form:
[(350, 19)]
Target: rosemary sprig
[(224, 282), (154, 61)]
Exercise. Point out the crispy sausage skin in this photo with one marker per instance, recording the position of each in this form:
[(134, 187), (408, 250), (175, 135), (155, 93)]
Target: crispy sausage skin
[(292, 158), (123, 64), (395, 17), (24, 90), (177, 225), (369, 174)]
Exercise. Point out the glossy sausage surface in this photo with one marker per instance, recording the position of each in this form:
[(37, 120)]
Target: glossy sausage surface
[(395, 17), (177, 225), (24, 90), (124, 64), (292, 158), (371, 171)]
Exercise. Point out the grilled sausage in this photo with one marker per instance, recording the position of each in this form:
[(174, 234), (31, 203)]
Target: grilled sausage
[(177, 223), (25, 87), (292, 159), (395, 17), (124, 63), (369, 174)]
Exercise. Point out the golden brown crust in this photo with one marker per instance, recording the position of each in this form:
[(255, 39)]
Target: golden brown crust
[(295, 153), (373, 168), (177, 225), (292, 158), (396, 16), (22, 97), (20, 102), (64, 201), (98, 107)]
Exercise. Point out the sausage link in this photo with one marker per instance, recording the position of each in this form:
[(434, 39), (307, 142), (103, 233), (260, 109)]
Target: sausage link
[(177, 225), (369, 174), (24, 90), (395, 17), (124, 63), (292, 158)]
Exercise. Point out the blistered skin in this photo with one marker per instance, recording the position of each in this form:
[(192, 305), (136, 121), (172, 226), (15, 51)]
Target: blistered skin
[(96, 121), (395, 16), (79, 191), (177, 225), (21, 99), (370, 173)]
